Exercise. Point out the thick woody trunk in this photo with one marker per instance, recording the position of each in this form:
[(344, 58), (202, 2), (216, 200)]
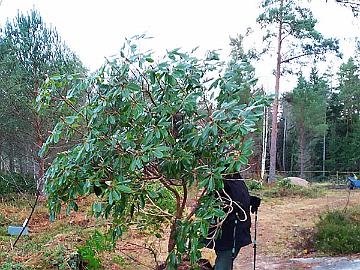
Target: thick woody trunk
[(180, 206), (275, 107), (172, 242), (174, 226)]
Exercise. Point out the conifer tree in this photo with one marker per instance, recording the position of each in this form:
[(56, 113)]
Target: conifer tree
[(290, 32)]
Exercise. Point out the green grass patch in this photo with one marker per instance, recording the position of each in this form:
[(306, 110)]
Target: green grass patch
[(10, 265), (254, 185), (338, 232), (284, 188), (57, 257), (121, 261)]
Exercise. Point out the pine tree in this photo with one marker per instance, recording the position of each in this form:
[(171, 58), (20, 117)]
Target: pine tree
[(31, 52), (344, 114), (308, 102), (295, 39)]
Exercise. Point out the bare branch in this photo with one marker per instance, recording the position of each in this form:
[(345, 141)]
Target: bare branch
[(157, 207), (295, 57)]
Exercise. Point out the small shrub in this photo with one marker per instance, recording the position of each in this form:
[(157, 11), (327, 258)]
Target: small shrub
[(320, 178), (121, 261), (75, 262), (89, 256), (304, 242), (10, 265), (3, 231), (284, 183), (254, 185), (57, 257), (3, 221), (98, 242), (338, 233)]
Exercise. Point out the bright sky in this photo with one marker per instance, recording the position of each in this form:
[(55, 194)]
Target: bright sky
[(95, 29)]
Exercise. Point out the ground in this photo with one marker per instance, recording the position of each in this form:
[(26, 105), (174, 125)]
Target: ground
[(282, 223)]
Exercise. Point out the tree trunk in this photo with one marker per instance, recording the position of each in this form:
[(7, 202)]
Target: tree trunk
[(40, 160), (34, 168), (275, 107), (284, 146), (292, 160), (324, 154), (302, 149), (39, 144), (264, 143), (1, 156), (324, 146), (21, 165), (180, 206), (172, 241), (11, 157)]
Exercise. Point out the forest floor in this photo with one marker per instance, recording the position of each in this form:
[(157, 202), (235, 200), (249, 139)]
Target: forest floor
[(283, 230)]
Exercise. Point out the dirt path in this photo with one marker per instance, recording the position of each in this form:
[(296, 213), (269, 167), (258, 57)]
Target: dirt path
[(279, 224)]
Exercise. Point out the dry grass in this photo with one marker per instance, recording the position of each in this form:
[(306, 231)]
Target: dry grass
[(280, 222)]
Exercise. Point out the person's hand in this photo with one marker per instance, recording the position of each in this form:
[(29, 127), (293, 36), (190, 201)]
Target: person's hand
[(254, 203)]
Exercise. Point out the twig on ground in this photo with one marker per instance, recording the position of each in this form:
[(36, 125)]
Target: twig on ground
[(347, 201), (152, 250)]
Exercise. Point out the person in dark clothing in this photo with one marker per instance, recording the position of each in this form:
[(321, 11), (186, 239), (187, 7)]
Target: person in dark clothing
[(235, 230)]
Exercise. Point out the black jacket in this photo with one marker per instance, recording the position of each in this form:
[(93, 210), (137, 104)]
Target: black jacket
[(238, 192)]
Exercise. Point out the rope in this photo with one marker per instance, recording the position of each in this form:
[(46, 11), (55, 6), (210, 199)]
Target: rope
[(228, 202), (238, 205)]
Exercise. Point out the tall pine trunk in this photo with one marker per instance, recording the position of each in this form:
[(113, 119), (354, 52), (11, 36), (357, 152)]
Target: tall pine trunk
[(302, 149), (11, 157), (324, 153), (284, 146), (264, 143), (1, 155), (21, 165), (275, 107)]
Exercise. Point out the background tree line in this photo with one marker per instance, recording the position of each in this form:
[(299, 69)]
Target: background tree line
[(319, 127), (315, 117), (30, 51)]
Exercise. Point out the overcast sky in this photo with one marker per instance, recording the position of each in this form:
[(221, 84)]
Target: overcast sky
[(95, 29)]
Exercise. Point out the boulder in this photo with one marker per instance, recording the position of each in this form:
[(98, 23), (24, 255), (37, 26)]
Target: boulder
[(298, 181)]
